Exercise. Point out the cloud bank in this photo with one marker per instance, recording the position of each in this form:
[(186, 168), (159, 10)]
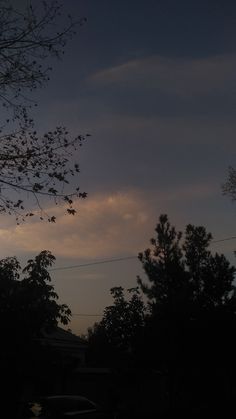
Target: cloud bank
[(179, 76), (107, 225)]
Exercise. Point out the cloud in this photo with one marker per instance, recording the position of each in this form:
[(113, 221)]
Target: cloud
[(107, 225), (182, 77), (191, 192)]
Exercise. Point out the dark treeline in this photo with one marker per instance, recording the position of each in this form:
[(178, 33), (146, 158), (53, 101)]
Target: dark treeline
[(28, 307), (171, 339), (187, 329)]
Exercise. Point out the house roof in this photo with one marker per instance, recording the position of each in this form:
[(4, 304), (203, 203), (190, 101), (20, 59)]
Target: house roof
[(63, 339)]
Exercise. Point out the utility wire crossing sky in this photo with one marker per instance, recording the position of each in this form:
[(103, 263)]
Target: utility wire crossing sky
[(99, 262)]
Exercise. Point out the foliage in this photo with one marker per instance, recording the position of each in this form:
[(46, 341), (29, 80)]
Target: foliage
[(37, 166), (229, 187), (185, 272), (188, 332), (192, 321), (115, 336), (122, 319), (29, 305)]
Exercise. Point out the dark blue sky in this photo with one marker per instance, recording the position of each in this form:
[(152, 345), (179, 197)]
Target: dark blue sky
[(134, 29), (154, 82), (119, 31)]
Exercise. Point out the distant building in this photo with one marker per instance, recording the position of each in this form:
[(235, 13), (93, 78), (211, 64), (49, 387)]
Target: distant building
[(54, 364), (71, 349)]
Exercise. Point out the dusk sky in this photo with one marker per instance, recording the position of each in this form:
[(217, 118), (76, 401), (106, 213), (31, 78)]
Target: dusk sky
[(154, 83)]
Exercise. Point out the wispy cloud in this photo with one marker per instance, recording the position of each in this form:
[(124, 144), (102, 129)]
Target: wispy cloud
[(183, 77), (107, 225)]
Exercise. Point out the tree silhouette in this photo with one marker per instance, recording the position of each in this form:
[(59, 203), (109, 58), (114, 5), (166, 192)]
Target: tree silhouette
[(229, 187), (190, 330), (122, 319), (185, 272), (114, 338), (34, 165), (28, 306), (187, 331)]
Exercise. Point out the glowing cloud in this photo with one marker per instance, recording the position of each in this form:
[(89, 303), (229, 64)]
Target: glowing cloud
[(105, 225), (179, 76)]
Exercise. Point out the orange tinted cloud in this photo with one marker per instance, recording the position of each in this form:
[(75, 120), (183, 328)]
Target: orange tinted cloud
[(106, 225)]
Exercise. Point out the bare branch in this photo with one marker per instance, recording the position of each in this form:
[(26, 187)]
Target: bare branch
[(31, 164)]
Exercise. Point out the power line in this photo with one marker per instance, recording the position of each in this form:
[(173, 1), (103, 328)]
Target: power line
[(86, 315), (117, 260), (223, 240), (100, 262)]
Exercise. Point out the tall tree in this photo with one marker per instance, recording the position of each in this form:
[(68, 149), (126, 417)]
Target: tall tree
[(122, 319), (28, 306), (229, 187), (185, 270), (37, 166), (192, 323), (114, 338)]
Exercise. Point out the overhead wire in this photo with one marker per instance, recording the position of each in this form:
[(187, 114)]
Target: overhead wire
[(225, 239), (87, 315), (98, 262), (103, 261), (115, 260)]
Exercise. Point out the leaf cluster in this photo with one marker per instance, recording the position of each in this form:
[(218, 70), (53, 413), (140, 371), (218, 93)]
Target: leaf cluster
[(29, 304), (184, 272), (116, 333), (229, 187), (40, 166), (27, 39), (33, 165)]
